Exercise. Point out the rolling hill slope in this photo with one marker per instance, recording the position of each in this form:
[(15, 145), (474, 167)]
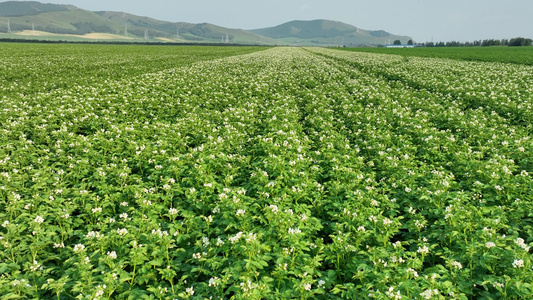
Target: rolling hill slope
[(17, 9), (25, 18), (35, 20), (328, 32)]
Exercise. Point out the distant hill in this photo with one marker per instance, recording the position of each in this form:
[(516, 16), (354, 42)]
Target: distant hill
[(35, 20), (28, 8), (51, 21), (328, 32), (132, 25), (307, 29)]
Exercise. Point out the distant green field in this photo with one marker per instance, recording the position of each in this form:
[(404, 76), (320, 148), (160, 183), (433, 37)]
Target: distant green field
[(515, 55), (20, 72)]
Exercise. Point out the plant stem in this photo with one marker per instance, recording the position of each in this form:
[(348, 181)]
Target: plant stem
[(133, 276)]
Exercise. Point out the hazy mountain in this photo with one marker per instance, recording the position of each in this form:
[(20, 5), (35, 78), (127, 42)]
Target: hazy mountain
[(32, 19), (328, 32)]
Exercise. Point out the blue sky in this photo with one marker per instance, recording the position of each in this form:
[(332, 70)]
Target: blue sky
[(424, 20)]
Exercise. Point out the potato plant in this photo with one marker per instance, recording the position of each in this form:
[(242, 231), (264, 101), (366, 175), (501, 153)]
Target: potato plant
[(287, 173)]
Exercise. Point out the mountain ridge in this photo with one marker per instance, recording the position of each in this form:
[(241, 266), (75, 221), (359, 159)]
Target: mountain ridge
[(328, 31), (53, 21)]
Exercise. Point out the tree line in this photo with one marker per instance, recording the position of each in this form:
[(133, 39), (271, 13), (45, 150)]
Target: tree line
[(514, 42)]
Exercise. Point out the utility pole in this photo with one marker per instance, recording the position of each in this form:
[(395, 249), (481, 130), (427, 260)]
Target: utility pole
[(33, 28), (146, 34), (8, 26)]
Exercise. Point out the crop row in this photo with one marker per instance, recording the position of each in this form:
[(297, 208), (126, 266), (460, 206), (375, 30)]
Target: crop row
[(287, 173)]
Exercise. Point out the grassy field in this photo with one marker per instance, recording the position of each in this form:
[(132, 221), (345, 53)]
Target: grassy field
[(158, 172), (515, 55)]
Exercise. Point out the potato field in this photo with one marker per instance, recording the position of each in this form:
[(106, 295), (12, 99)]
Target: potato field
[(150, 172)]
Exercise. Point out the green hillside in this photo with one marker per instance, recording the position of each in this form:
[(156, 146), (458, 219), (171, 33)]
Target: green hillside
[(65, 22), (137, 26), (52, 18), (16, 9), (328, 32), (35, 20), (307, 29), (181, 31)]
